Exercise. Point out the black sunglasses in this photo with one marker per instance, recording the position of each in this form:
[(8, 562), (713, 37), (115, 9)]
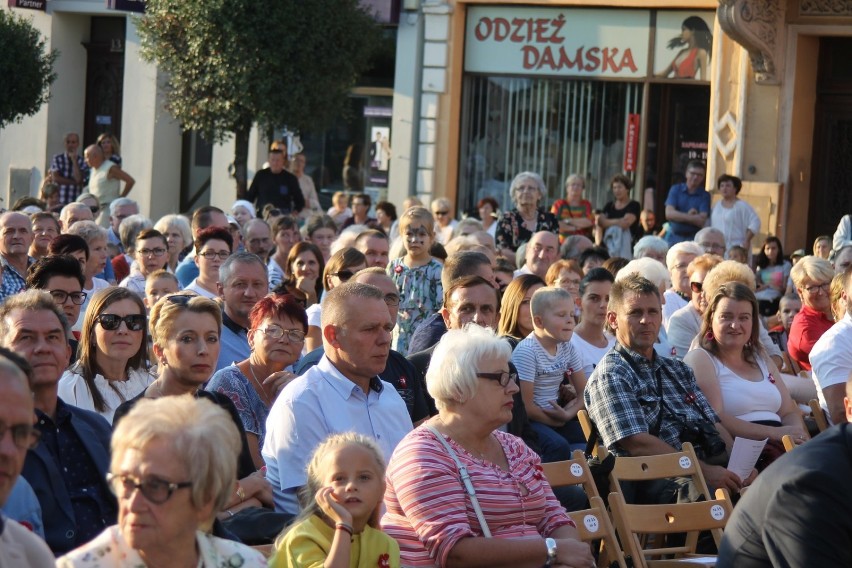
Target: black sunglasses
[(179, 299), (343, 275), (696, 286), (111, 322), (94, 209)]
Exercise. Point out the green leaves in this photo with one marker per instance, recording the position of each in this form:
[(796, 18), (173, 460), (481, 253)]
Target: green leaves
[(26, 67)]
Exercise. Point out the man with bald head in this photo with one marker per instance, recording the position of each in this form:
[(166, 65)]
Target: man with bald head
[(542, 251), (16, 236), (72, 213), (18, 546), (258, 238), (105, 181)]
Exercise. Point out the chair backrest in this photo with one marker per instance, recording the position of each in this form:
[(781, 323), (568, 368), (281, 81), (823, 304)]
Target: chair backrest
[(594, 524), (819, 415), (647, 468), (589, 430), (788, 443), (632, 521), (571, 472)]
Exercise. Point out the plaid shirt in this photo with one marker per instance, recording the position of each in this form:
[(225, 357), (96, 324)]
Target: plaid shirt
[(63, 166), (623, 403), (12, 282)]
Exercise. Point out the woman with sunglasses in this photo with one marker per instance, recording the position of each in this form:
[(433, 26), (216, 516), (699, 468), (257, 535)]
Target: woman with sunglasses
[(214, 245), (185, 329), (276, 337), (340, 268), (172, 469), (113, 354), (685, 322)]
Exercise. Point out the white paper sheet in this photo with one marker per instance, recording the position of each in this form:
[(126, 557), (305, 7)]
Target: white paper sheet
[(744, 455)]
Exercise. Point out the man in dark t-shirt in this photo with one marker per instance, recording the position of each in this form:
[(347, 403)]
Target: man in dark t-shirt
[(276, 186)]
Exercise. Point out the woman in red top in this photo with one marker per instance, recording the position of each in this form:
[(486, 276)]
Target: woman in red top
[(574, 213), (812, 278), (691, 62)]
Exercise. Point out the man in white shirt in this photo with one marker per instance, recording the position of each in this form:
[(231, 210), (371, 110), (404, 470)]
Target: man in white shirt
[(831, 362), (680, 294), (341, 393)]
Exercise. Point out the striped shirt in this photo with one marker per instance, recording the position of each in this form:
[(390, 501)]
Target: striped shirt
[(428, 511), (544, 370)]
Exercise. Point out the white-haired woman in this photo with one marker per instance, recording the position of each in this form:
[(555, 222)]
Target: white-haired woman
[(527, 218), (178, 235), (173, 468), (445, 221), (574, 213), (656, 272), (428, 512), (812, 279)]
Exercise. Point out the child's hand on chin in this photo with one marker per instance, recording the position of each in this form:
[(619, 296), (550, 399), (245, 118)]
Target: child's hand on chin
[(334, 510)]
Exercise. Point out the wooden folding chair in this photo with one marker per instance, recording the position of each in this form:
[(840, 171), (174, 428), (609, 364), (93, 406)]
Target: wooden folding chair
[(787, 441), (818, 414), (589, 430), (594, 523), (632, 521)]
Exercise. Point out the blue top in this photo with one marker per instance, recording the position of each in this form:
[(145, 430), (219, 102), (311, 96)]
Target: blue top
[(683, 201), (186, 271), (22, 505), (232, 383)]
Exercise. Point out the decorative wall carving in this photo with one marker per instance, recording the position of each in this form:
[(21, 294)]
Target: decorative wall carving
[(758, 25), (825, 8)]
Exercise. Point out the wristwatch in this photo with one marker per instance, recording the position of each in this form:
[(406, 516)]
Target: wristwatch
[(551, 551)]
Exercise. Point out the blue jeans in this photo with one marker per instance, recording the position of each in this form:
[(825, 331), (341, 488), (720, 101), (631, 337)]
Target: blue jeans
[(557, 443)]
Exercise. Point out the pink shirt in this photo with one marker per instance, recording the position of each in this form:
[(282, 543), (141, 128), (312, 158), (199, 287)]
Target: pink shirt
[(428, 511)]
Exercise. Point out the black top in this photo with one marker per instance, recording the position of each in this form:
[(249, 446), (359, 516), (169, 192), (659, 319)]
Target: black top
[(632, 207), (281, 190)]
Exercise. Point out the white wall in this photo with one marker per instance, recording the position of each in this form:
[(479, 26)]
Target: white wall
[(403, 126)]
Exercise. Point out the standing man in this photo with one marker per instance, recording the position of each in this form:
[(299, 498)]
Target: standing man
[(105, 181), (341, 393), (361, 204), (243, 281), (688, 205), (277, 186), (69, 170), (258, 238), (67, 470), (16, 236), (18, 546)]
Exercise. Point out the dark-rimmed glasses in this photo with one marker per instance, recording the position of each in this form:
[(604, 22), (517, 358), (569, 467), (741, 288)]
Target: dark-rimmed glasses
[(343, 275), (211, 254), (503, 377), (154, 489), (61, 296), (277, 332), (157, 252), (814, 288), (24, 436), (391, 299), (111, 322)]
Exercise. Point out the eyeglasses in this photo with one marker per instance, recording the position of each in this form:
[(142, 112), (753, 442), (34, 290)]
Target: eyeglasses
[(179, 299), (277, 332), (273, 213), (24, 436), (392, 299), (111, 322), (343, 275), (712, 246), (61, 296), (211, 254), (153, 252), (696, 286), (503, 377), (818, 287), (95, 209), (441, 213), (155, 490)]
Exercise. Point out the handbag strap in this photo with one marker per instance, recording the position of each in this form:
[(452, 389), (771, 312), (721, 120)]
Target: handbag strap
[(466, 482)]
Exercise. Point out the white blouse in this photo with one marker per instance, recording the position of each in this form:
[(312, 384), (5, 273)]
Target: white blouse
[(74, 390)]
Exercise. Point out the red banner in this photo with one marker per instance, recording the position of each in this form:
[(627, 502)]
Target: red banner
[(631, 143)]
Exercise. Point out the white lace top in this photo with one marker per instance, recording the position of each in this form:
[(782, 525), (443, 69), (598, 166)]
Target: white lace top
[(74, 390)]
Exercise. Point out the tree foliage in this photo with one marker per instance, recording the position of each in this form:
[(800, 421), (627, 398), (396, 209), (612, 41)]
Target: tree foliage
[(231, 63), (26, 68)]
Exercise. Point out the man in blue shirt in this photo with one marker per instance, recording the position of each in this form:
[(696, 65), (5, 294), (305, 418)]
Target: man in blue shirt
[(243, 282), (687, 205)]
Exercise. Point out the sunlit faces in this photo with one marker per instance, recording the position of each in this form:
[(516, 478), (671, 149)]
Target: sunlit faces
[(72, 143), (574, 190), (338, 278), (39, 337), (822, 248), (527, 193), (323, 238), (525, 321), (417, 238), (146, 524), (156, 288), (44, 231), (492, 404), (16, 412), (570, 281), (727, 190), (356, 480), (122, 212), (594, 302), (637, 322), (285, 239), (306, 265), (361, 345), (210, 258), (787, 310), (151, 254), (192, 348), (71, 287), (121, 343), (486, 211), (542, 251), (258, 239), (477, 304), (816, 295), (680, 278), (97, 257), (245, 287), (279, 352), (16, 232), (732, 323), (557, 322), (694, 176), (241, 214), (376, 249), (696, 284)]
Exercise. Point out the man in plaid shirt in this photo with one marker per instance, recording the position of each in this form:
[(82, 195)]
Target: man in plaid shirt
[(16, 236), (69, 170), (640, 401)]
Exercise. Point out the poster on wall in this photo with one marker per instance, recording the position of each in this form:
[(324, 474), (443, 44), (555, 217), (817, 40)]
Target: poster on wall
[(29, 4), (684, 45), (521, 40)]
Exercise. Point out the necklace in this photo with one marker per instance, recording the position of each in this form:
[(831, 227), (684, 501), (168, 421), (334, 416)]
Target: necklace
[(262, 391)]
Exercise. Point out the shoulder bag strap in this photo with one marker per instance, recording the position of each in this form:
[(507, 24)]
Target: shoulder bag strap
[(465, 479)]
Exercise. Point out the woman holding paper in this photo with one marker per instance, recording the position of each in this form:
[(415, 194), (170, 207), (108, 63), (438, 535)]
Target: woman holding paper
[(738, 378)]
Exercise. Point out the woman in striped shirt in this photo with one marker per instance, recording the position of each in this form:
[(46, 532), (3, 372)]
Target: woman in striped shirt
[(428, 511)]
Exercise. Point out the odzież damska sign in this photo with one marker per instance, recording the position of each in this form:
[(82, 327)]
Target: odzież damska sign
[(127, 5), (553, 41), (29, 4)]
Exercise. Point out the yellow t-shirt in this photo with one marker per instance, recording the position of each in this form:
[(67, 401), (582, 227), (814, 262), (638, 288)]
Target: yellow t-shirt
[(307, 544)]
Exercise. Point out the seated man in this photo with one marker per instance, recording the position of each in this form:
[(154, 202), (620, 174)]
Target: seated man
[(641, 402), (831, 358), (68, 468), (797, 512)]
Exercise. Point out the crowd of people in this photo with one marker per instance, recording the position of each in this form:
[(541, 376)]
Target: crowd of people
[(179, 391)]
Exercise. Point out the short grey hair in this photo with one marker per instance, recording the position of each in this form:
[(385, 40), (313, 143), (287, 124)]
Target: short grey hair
[(131, 227), (335, 301), (201, 435), (813, 267), (650, 242), (73, 206), (451, 378), (226, 271), (88, 230), (542, 189), (174, 221), (121, 202), (709, 231), (30, 301), (648, 268), (683, 247)]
